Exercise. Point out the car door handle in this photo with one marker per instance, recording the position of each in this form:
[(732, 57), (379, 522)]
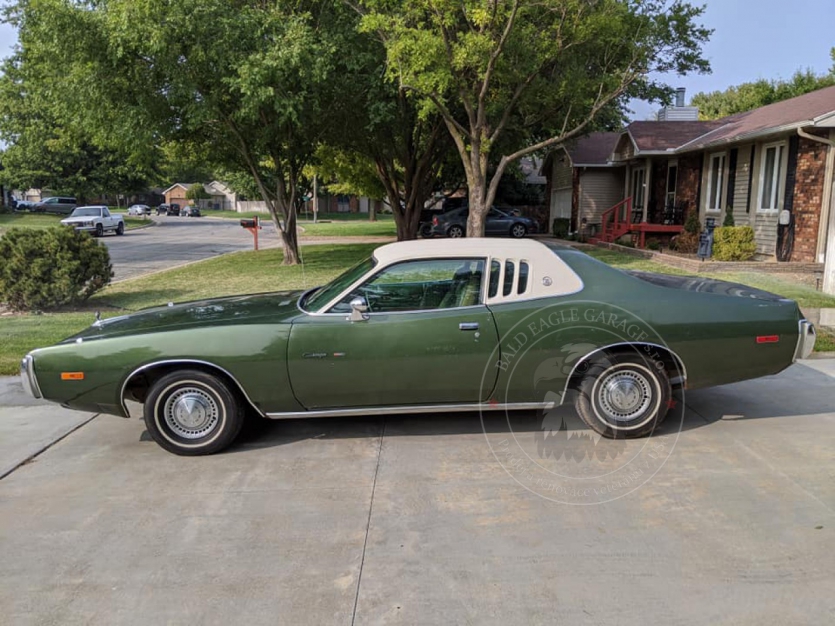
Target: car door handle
[(468, 326)]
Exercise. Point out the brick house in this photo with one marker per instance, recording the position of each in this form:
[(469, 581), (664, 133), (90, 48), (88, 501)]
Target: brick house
[(772, 167)]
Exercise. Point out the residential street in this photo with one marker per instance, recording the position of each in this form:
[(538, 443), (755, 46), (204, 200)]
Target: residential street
[(178, 240), (412, 520)]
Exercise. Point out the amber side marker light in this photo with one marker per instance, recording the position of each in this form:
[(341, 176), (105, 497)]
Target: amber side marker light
[(768, 339), (72, 375)]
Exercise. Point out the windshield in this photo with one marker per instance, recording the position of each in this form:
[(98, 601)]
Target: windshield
[(325, 294), (87, 212)]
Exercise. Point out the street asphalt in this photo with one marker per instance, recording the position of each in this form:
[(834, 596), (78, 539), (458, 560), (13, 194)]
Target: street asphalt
[(175, 241), (418, 520)]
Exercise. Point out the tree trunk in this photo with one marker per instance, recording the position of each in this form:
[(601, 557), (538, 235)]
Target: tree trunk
[(478, 209), (372, 210), (290, 242)]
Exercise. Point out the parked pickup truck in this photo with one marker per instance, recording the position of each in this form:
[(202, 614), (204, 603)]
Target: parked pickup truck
[(96, 220)]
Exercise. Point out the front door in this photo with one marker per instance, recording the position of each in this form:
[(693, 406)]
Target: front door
[(428, 339)]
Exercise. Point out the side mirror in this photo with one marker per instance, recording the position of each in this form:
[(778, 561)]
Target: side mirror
[(359, 308)]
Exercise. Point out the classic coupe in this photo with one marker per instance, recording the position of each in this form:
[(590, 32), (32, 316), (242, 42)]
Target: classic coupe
[(426, 326)]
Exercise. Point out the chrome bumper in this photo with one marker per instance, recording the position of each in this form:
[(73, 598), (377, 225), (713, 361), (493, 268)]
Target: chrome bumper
[(806, 340), (28, 378)]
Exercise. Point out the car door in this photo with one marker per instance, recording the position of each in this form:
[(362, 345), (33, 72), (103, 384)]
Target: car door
[(498, 223), (427, 338)]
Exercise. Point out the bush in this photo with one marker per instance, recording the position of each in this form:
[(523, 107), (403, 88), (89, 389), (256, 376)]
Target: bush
[(653, 244), (686, 243), (729, 218), (692, 225), (734, 243), (44, 269), (561, 227)]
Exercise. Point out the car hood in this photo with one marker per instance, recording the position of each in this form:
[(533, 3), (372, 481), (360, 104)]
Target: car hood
[(706, 285), (270, 308), (79, 220)]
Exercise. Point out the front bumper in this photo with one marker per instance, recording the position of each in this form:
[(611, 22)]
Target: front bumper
[(806, 340), (28, 378)]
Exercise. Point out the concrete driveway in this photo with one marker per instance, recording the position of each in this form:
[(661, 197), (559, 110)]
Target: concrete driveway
[(175, 241), (417, 521)]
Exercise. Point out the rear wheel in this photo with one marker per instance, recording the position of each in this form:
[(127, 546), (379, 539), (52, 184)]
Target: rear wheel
[(518, 231), (425, 230), (193, 413), (99, 230), (455, 232), (120, 229), (624, 396)]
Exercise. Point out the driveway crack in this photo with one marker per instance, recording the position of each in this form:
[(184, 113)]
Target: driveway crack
[(368, 521)]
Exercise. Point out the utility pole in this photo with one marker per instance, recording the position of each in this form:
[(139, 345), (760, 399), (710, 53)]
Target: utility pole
[(315, 198)]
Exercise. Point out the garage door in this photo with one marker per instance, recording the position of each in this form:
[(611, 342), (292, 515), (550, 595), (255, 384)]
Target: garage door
[(560, 203)]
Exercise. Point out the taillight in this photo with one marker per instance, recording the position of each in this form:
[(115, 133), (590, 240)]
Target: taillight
[(435, 221)]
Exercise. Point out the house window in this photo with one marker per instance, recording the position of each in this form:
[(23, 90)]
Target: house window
[(716, 182), (638, 182), (672, 179), (771, 170)]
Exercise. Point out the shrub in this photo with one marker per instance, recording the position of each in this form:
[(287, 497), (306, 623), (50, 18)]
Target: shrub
[(653, 244), (692, 225), (44, 269), (560, 227), (729, 218), (734, 243), (686, 243)]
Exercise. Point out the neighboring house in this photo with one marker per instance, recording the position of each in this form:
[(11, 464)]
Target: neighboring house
[(773, 167), (176, 194)]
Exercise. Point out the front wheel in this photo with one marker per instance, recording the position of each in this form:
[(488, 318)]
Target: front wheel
[(193, 413), (623, 396), (99, 230), (120, 229), (455, 232), (517, 231), (425, 230)]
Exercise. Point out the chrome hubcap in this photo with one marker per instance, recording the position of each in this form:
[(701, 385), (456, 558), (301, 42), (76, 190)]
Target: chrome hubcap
[(191, 413), (624, 396), (518, 231)]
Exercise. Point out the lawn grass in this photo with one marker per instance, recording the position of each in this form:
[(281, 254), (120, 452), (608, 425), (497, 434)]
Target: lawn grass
[(253, 272), (41, 221), (231, 274), (327, 224)]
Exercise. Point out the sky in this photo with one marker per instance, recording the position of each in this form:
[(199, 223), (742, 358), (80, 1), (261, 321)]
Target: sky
[(752, 39)]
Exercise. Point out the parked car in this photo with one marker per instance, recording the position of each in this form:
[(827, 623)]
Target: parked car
[(162, 209), (23, 205), (168, 209), (499, 223), (190, 211), (96, 220), (139, 209), (59, 205), (426, 215), (471, 325)]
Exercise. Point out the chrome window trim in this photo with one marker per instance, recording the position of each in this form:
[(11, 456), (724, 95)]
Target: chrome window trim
[(183, 361), (411, 410), (683, 367), (28, 377)]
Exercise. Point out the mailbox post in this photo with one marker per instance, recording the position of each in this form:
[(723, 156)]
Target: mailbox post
[(253, 226)]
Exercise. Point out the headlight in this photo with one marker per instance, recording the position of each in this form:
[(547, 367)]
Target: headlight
[(88, 223)]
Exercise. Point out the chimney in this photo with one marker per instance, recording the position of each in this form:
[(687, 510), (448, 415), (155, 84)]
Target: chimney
[(679, 112), (680, 93)]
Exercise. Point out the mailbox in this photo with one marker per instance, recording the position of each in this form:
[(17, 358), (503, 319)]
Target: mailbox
[(248, 223)]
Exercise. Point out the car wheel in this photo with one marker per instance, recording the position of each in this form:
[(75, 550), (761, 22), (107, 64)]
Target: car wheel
[(425, 230), (623, 396), (192, 413), (455, 232), (120, 229), (99, 230), (518, 231)]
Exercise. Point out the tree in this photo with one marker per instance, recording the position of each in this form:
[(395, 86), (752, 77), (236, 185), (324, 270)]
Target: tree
[(197, 192), (759, 93), (258, 84), (529, 75)]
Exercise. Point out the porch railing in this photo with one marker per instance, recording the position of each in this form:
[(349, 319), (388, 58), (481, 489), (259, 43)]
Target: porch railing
[(617, 221)]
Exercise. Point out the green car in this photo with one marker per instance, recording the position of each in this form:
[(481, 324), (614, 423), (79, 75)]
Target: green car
[(427, 326)]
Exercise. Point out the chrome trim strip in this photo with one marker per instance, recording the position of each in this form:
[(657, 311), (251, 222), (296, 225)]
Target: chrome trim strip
[(179, 361), (413, 410), (28, 377), (682, 379)]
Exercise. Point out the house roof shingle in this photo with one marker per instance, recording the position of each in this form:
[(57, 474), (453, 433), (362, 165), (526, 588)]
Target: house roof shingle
[(660, 136), (593, 149)]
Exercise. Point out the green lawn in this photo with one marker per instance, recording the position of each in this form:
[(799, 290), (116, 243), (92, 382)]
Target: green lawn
[(251, 272), (328, 224), (44, 220), (243, 272)]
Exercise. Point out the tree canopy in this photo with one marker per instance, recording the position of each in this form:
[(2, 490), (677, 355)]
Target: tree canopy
[(514, 78), (759, 93)]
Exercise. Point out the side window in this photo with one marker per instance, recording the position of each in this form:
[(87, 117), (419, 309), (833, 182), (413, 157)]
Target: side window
[(495, 272), (509, 270), (523, 277), (421, 286), (105, 213)]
